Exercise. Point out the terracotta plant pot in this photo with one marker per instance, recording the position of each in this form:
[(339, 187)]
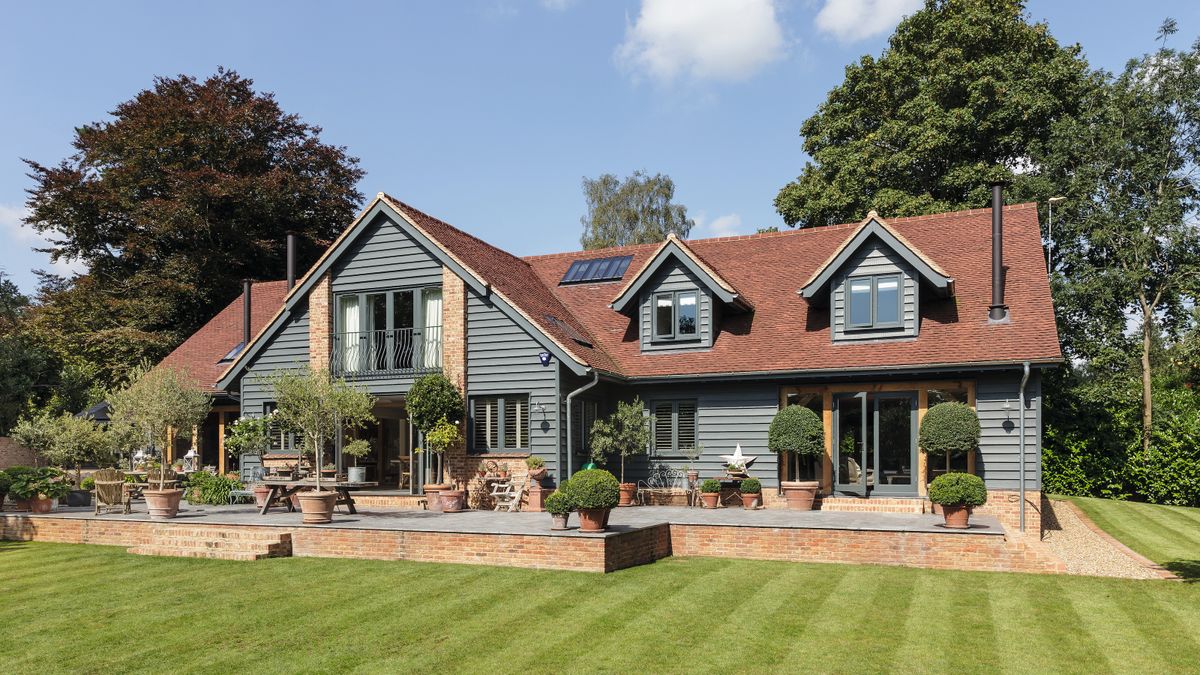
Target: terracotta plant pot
[(709, 499), (260, 495), (433, 502), (800, 494), (628, 490), (503, 473), (537, 475), (41, 504), (750, 499), (957, 517), (559, 521), (936, 510), (593, 520), (317, 507), (452, 500), (20, 504), (162, 504)]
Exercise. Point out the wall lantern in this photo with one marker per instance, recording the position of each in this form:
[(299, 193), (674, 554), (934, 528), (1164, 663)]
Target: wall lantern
[(544, 357)]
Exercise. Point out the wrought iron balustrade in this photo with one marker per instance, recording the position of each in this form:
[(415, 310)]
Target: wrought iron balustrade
[(387, 352)]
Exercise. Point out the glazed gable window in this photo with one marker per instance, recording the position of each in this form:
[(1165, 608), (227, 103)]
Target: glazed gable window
[(873, 301), (677, 315)]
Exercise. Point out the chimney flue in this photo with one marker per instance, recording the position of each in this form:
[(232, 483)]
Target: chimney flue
[(998, 311), (291, 260), (246, 286)]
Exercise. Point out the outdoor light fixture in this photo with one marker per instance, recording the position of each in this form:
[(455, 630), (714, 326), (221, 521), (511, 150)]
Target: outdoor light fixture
[(191, 458), (544, 357)]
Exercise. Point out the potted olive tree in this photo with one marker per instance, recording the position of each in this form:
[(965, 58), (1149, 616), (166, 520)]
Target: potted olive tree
[(157, 401), (624, 433), (949, 429), (432, 399), (318, 407), (559, 505), (957, 493), (74, 442), (594, 493), (798, 432), (441, 437), (246, 437)]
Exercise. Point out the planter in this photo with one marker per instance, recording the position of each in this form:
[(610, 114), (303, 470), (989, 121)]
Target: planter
[(936, 510), (162, 504), (800, 494), (452, 500), (20, 504), (749, 499), (709, 499), (317, 507), (957, 517), (79, 498), (260, 495), (628, 490), (433, 502), (41, 504), (558, 521), (357, 474), (503, 473), (593, 520)]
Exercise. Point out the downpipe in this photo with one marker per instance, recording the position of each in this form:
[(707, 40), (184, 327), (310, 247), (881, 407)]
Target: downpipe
[(570, 436), (1021, 462)]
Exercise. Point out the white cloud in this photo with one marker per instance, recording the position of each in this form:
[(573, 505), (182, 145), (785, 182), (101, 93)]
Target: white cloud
[(557, 5), (17, 238), (728, 225), (853, 20), (701, 39)]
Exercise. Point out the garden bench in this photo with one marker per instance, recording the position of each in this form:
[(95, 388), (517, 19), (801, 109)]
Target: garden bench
[(662, 481), (507, 496)]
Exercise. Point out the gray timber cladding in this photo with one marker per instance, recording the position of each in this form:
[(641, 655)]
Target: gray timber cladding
[(1000, 442), (673, 276), (385, 257), (503, 359), (875, 258), (287, 349)]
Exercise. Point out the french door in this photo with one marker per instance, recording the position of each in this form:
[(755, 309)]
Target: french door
[(875, 445)]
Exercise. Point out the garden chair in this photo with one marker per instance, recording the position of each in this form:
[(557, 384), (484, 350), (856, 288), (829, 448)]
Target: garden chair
[(663, 481), (507, 496), (248, 476), (110, 491)]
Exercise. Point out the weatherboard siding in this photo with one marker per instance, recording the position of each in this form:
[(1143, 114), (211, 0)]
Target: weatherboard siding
[(674, 276), (875, 258), (385, 257), (502, 358), (288, 348), (1000, 441)]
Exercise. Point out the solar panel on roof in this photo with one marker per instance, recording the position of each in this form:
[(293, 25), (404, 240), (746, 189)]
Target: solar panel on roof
[(566, 328), (597, 269)]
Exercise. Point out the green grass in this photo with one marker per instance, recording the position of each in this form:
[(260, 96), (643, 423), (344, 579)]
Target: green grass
[(1168, 535), (98, 609)]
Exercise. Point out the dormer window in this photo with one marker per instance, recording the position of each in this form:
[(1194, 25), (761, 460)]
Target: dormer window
[(676, 316), (874, 301)]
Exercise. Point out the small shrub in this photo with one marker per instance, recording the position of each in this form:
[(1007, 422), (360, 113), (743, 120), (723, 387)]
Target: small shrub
[(32, 483), (751, 486), (594, 489), (710, 485), (560, 503), (958, 489), (88, 483), (207, 488), (534, 462), (798, 430), (949, 429)]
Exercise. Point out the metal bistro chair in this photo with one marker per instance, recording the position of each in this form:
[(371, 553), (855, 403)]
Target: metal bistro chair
[(248, 476), (663, 481)]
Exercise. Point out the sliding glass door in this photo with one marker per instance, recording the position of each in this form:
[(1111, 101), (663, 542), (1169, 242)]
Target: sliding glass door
[(875, 443)]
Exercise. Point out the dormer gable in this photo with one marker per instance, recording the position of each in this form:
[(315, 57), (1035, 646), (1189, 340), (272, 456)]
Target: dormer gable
[(675, 249)]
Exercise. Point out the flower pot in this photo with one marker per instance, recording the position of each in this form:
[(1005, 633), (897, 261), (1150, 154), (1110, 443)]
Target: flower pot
[(503, 473), (357, 474), (162, 504), (20, 504), (628, 490), (317, 506), (558, 521), (800, 494), (536, 475), (709, 499), (957, 516), (41, 504), (433, 503), (749, 499), (593, 520), (260, 495), (936, 510), (452, 500)]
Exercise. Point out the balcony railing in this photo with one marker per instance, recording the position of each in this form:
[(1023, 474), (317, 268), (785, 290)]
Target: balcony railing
[(387, 352)]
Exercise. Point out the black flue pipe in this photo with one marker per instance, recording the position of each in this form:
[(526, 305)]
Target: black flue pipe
[(998, 310), (291, 260), (246, 285)]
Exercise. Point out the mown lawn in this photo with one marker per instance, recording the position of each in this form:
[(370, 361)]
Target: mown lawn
[(1168, 535), (89, 608)]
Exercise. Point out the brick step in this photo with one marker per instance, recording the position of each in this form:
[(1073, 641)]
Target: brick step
[(222, 544), (213, 542), (223, 534), (215, 554), (856, 504)]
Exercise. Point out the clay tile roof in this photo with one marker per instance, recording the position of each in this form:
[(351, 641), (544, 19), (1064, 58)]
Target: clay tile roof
[(201, 353)]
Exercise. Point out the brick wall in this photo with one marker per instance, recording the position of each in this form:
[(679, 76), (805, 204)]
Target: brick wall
[(454, 365), (1006, 506), (320, 322), (12, 454)]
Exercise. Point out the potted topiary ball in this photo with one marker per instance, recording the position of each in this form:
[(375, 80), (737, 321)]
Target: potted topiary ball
[(957, 493), (798, 431), (710, 493), (560, 505), (594, 492), (751, 490), (948, 430)]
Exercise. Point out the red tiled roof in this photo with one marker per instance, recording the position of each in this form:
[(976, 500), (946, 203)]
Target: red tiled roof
[(200, 354), (781, 336)]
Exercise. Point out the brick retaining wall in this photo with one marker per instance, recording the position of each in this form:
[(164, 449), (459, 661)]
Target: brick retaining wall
[(12, 454)]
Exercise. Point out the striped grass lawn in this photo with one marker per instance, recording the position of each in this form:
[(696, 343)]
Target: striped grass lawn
[(76, 608), (1168, 535)]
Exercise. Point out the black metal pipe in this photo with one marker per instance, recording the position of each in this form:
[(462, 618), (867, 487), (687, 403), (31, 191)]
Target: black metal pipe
[(998, 310), (246, 286), (291, 260)]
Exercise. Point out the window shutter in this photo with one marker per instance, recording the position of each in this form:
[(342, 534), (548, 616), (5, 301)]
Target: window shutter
[(662, 428), (516, 423), (487, 424), (687, 424)]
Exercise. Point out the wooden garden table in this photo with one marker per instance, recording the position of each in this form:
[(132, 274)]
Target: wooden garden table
[(282, 490)]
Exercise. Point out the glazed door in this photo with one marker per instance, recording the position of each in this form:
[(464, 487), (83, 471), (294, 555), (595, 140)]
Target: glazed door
[(895, 444), (851, 443)]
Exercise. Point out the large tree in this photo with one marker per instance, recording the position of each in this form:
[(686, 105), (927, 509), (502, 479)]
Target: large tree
[(188, 188), (966, 93), (637, 210)]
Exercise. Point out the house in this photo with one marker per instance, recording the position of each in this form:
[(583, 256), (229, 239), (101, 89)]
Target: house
[(867, 323)]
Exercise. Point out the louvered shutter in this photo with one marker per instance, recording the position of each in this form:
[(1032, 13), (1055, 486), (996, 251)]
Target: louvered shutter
[(686, 425), (662, 428), (487, 424), (516, 423)]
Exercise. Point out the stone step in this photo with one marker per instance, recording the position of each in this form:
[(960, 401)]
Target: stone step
[(856, 504), (215, 554), (223, 544), (212, 533)]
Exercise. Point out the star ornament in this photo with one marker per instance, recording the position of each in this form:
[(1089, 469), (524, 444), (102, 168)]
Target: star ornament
[(737, 459)]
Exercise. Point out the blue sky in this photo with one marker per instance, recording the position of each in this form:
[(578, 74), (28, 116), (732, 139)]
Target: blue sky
[(487, 113)]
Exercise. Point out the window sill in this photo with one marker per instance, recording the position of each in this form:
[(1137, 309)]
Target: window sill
[(500, 454)]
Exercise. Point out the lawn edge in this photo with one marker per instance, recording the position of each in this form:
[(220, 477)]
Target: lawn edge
[(1158, 570)]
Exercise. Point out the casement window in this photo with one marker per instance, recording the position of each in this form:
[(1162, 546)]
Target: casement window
[(677, 315), (388, 331), (500, 422), (673, 426), (873, 301), (282, 440)]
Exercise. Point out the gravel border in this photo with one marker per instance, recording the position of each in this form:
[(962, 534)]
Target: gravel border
[(1088, 550)]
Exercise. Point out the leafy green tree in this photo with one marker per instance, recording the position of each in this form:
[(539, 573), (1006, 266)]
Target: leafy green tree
[(637, 210), (189, 188), (624, 433), (75, 441), (155, 402), (966, 92)]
